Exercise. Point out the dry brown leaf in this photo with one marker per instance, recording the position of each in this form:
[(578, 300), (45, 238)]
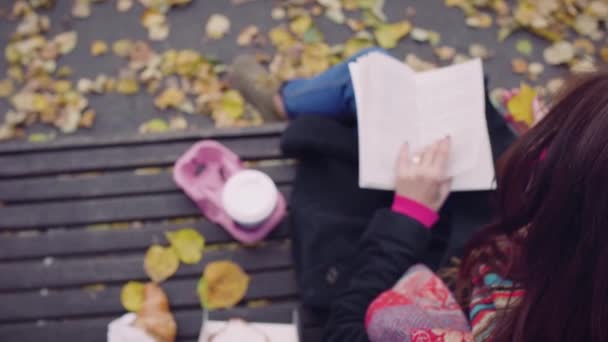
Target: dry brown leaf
[(519, 66), (155, 317), (170, 98)]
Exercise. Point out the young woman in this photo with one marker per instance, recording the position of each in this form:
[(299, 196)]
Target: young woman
[(535, 273)]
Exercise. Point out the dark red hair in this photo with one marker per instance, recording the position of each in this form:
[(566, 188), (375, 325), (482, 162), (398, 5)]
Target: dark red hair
[(550, 233)]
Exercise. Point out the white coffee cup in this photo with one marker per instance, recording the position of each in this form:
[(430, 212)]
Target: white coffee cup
[(250, 197)]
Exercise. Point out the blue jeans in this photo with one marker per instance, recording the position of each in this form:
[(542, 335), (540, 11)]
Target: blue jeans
[(328, 94)]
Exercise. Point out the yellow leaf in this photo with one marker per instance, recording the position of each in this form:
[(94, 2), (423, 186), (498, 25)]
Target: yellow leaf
[(300, 25), (98, 48), (122, 47), (231, 104), (127, 86), (132, 296), (281, 38), (222, 285), (6, 88), (154, 126), (388, 35), (160, 263), (170, 98), (354, 45), (520, 105), (188, 245)]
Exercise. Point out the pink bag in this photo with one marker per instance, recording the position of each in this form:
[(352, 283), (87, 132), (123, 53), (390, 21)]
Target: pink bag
[(202, 171)]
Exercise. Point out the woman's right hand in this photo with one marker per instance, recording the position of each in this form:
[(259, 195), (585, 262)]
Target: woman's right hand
[(423, 177)]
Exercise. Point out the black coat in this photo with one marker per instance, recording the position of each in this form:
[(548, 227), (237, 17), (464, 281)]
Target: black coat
[(348, 246)]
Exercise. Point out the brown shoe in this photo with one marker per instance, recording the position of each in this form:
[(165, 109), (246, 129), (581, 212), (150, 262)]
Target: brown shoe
[(256, 84)]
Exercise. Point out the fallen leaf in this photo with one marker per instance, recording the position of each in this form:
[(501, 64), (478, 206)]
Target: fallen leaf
[(278, 13), (519, 66), (132, 296), (604, 54), (188, 244), (480, 20), (154, 317), (98, 48), (247, 35), (555, 85), (584, 46), (87, 119), (6, 88), (40, 137), (127, 86), (445, 53), (281, 38), (300, 25), (477, 50), (154, 126), (524, 46), (66, 42), (81, 9), (559, 53), (231, 105), (170, 98), (520, 105), (313, 35), (356, 44), (217, 26), (122, 47), (222, 285), (124, 5), (388, 35), (418, 64), (535, 70), (160, 263)]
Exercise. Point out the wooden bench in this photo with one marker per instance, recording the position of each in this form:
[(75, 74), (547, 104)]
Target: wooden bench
[(77, 216)]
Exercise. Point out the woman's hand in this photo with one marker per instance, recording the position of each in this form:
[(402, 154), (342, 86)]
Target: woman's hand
[(423, 177)]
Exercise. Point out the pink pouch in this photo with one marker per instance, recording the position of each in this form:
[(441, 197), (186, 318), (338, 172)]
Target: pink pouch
[(202, 171)]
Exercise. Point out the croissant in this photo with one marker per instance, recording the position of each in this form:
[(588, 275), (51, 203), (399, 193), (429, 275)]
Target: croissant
[(154, 316)]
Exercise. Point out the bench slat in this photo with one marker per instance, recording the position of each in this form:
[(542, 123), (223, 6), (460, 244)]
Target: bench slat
[(85, 241), (83, 212), (66, 143), (188, 324), (118, 268), (101, 159), (107, 184), (79, 303)]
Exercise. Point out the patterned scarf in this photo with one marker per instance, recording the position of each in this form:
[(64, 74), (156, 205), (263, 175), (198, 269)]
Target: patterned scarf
[(421, 308)]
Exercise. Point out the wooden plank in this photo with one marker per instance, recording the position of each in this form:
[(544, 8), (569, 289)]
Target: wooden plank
[(81, 271), (188, 324), (120, 157), (83, 212), (79, 242), (123, 140), (77, 303), (106, 184)]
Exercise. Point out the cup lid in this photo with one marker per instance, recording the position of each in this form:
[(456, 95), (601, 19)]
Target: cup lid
[(249, 197)]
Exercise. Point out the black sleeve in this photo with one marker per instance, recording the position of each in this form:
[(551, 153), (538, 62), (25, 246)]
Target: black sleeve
[(391, 244)]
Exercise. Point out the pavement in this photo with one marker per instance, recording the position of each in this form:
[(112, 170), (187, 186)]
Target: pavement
[(119, 115)]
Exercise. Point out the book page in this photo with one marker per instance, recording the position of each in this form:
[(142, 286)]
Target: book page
[(396, 105), (451, 101), (386, 101)]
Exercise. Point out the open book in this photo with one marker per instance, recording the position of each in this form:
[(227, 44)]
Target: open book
[(396, 104)]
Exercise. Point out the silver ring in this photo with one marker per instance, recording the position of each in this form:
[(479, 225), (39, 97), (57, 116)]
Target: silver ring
[(416, 160)]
